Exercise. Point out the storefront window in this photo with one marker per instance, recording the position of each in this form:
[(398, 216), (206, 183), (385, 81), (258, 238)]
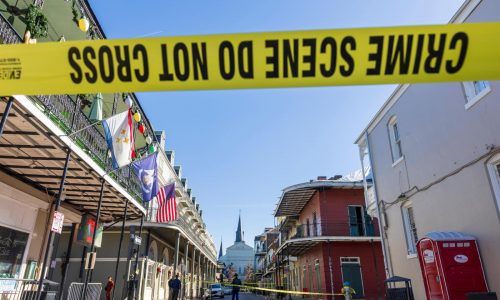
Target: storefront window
[(12, 247)]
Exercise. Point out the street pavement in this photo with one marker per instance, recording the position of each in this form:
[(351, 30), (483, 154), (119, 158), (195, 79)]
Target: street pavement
[(252, 296)]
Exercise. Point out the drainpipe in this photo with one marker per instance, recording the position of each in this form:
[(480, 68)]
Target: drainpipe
[(383, 235)]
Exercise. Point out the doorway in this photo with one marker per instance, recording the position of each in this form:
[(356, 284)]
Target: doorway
[(351, 272)]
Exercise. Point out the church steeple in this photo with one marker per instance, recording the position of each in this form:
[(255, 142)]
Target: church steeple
[(220, 250), (238, 231)]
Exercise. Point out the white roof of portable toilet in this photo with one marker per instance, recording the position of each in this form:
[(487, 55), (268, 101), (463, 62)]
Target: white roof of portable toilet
[(449, 236)]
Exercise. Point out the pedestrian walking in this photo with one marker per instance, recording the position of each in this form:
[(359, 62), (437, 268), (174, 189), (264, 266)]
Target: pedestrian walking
[(175, 286), (236, 287), (109, 287)]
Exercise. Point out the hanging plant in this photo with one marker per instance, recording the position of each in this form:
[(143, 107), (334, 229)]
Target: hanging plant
[(36, 22)]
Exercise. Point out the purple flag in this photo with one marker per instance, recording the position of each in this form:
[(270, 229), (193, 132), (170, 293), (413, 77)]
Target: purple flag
[(146, 171)]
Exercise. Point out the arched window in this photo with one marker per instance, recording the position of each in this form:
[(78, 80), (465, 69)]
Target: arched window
[(153, 251), (165, 257)]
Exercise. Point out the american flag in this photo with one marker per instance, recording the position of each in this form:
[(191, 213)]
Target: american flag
[(167, 207)]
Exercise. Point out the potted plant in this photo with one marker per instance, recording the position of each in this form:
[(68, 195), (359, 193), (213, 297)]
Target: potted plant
[(37, 24)]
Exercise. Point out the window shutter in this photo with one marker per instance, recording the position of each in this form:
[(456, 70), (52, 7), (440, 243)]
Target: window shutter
[(369, 228)]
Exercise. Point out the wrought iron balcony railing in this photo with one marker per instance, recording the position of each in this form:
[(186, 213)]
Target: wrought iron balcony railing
[(65, 111), (355, 229), (180, 222)]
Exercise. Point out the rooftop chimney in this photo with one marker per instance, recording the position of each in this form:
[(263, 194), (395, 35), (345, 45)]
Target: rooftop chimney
[(321, 177), (337, 177)]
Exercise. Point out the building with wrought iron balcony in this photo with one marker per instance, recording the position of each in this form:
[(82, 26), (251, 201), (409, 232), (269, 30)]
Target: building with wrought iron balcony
[(326, 238), (53, 156)]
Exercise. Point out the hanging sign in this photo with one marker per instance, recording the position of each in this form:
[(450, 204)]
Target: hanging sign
[(57, 222), (413, 54), (90, 260)]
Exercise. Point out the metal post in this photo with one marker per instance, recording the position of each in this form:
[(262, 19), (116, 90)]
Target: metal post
[(92, 247), (200, 278), (193, 260), (50, 240), (134, 283), (6, 115), (120, 248), (66, 262), (330, 267), (176, 257), (186, 255)]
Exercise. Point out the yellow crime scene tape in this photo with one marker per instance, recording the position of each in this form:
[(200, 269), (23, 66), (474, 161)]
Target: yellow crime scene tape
[(413, 54), (279, 291)]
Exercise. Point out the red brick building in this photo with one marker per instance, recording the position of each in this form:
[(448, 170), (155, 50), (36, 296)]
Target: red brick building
[(327, 238)]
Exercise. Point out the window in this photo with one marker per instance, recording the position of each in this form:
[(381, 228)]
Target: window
[(395, 139), (356, 227), (410, 230), (315, 224), (12, 249), (318, 275), (149, 275), (475, 91), (494, 170), (308, 228)]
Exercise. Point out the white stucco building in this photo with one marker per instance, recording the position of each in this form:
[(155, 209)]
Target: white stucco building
[(434, 151)]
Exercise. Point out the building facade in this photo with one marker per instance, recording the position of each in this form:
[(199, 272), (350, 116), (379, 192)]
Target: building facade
[(183, 247), (326, 238), (434, 154)]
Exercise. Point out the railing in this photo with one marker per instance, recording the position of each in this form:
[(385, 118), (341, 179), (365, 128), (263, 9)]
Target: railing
[(65, 111), (180, 222), (332, 229), (26, 289)]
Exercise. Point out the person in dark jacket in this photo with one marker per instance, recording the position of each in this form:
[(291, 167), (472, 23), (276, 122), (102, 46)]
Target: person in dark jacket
[(175, 286), (236, 287)]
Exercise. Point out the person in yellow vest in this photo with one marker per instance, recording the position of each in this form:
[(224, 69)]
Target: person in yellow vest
[(348, 291)]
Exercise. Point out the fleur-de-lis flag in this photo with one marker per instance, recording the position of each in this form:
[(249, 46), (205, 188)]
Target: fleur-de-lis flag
[(120, 138)]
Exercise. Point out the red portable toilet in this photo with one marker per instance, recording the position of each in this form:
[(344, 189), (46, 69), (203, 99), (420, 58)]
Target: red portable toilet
[(451, 265)]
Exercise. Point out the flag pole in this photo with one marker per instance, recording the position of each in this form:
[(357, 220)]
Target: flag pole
[(81, 129)]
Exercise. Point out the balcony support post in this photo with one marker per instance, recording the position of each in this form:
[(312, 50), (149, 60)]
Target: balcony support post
[(134, 283), (125, 210), (200, 278), (176, 256), (193, 260), (50, 239), (88, 276), (6, 114), (74, 227), (330, 268), (184, 270)]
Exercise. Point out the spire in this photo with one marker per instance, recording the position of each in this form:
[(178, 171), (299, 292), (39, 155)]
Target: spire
[(238, 231), (220, 250)]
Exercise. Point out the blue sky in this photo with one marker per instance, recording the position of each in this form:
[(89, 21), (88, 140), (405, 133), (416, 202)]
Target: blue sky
[(240, 148)]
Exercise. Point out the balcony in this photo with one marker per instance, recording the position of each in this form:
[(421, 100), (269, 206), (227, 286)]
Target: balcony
[(33, 152), (260, 251), (304, 236), (189, 229)]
